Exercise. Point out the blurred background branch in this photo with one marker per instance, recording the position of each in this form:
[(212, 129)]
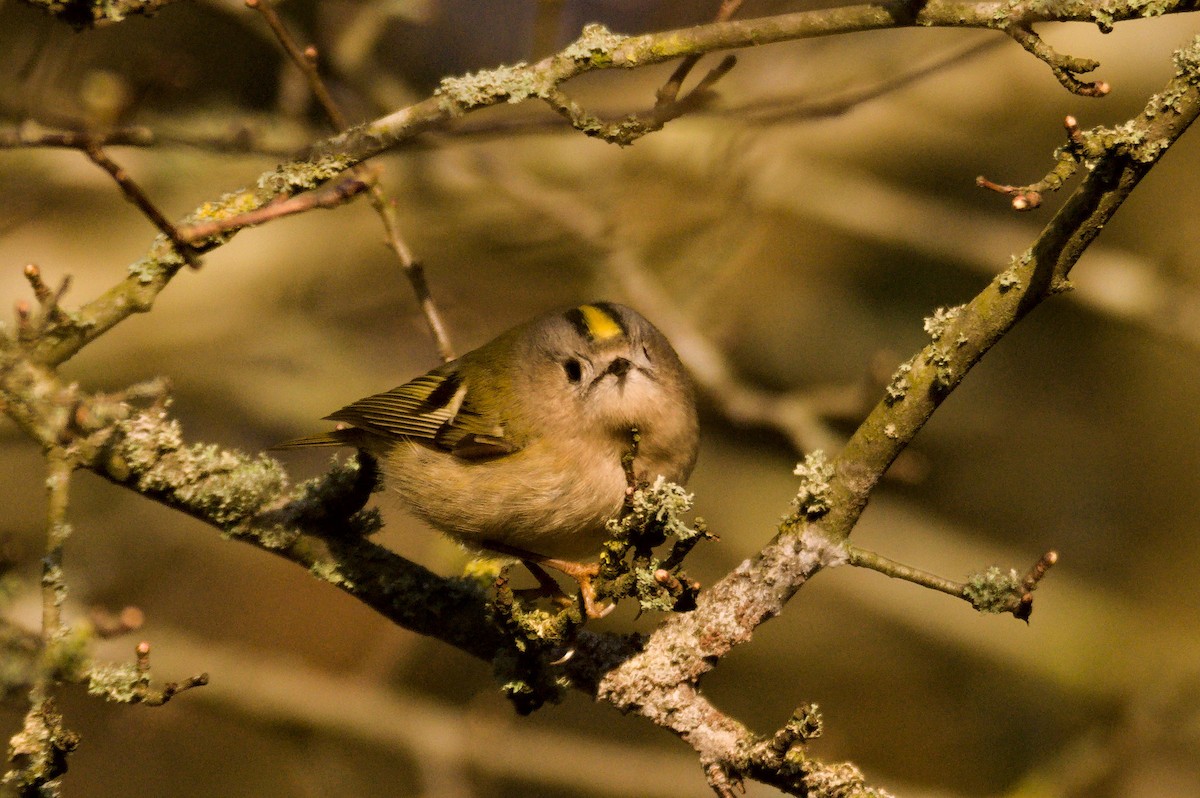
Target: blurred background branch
[(725, 267)]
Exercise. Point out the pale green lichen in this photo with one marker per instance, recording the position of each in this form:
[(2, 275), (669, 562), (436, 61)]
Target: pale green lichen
[(629, 565), (993, 590), (813, 498), (843, 780), (511, 83), (1187, 61), (117, 682), (233, 203), (937, 324), (68, 653), (805, 724), (220, 486), (943, 366), (328, 571), (527, 683), (302, 175), (661, 503), (1008, 280), (594, 45), (899, 386)]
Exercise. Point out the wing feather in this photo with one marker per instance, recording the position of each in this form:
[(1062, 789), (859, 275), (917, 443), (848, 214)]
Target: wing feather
[(434, 409)]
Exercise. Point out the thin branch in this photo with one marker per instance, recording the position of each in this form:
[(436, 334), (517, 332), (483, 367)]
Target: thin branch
[(384, 205), (133, 192), (156, 697), (54, 586), (253, 135), (630, 128), (260, 134), (145, 452), (29, 134), (666, 96), (777, 110), (330, 196), (1066, 68), (37, 753), (678, 653), (596, 48), (988, 591), (305, 59)]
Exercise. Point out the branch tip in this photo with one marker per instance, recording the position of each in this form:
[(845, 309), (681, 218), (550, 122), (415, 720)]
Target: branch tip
[(1064, 67)]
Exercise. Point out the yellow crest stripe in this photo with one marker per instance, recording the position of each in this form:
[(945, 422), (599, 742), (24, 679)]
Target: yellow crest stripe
[(601, 323)]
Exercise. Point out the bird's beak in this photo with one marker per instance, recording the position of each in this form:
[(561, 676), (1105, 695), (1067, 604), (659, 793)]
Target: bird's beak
[(619, 367)]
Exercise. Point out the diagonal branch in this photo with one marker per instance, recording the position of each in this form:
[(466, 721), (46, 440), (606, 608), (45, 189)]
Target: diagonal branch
[(383, 204), (597, 48), (134, 193), (684, 648), (246, 497)]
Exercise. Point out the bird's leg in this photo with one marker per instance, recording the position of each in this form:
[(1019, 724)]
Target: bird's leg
[(547, 587), (582, 573)]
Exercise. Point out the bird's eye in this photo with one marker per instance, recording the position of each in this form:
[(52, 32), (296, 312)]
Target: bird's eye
[(573, 369)]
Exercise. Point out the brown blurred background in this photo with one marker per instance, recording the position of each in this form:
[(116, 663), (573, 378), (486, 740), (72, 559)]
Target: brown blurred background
[(806, 247)]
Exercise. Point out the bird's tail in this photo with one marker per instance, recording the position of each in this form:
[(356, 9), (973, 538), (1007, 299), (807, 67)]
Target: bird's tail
[(337, 437)]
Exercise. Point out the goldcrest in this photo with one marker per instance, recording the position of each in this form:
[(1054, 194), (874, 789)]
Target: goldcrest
[(516, 446)]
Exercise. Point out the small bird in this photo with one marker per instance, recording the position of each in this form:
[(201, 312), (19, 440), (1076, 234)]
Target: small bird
[(515, 447)]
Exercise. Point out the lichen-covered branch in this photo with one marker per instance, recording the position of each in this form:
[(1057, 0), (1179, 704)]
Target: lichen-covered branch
[(596, 48), (991, 590), (306, 60), (90, 14), (321, 526), (687, 646)]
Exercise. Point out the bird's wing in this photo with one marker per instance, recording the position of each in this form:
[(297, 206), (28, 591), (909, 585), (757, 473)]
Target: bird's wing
[(435, 409)]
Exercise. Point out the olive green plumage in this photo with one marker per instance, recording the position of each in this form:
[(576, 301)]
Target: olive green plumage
[(519, 442)]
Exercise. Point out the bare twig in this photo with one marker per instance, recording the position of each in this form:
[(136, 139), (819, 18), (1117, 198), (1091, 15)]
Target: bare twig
[(632, 127), (667, 95), (384, 205), (1079, 149), (1066, 68), (28, 134), (133, 192), (596, 49), (37, 754), (329, 196), (776, 110), (54, 586), (305, 59), (156, 697)]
